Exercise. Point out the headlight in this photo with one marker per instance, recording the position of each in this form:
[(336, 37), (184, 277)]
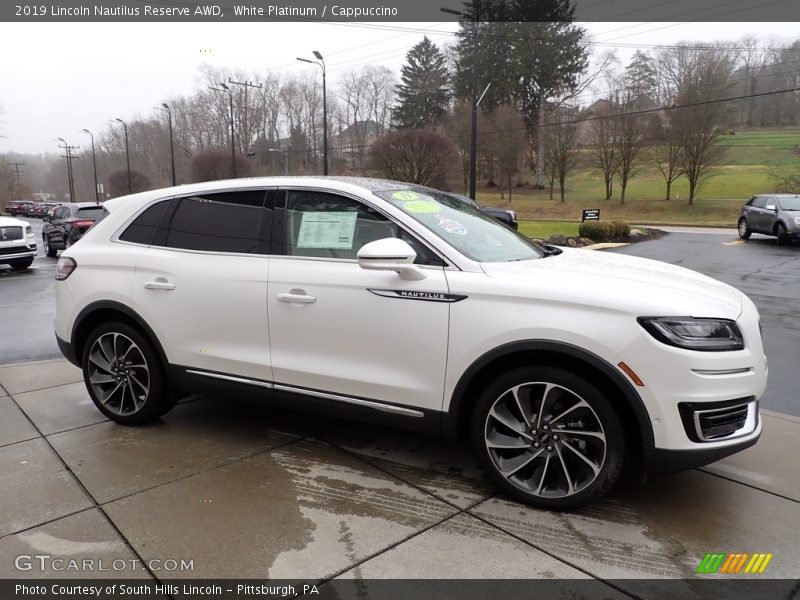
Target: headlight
[(709, 335), (797, 220), (28, 230)]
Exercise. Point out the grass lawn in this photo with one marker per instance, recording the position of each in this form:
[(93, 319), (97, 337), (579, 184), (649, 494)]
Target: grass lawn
[(745, 172), (544, 229)]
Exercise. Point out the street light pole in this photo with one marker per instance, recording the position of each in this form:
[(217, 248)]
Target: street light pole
[(127, 154), (473, 142), (225, 88), (321, 63), (171, 141), (94, 166)]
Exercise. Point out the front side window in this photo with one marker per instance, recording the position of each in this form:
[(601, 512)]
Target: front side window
[(218, 222), (463, 225), (325, 225)]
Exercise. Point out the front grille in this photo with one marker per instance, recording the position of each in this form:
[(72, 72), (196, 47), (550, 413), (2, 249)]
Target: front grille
[(714, 425), (10, 233), (715, 421), (14, 250)]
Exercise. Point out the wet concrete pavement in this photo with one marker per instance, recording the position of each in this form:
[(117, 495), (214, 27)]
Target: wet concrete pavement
[(249, 491)]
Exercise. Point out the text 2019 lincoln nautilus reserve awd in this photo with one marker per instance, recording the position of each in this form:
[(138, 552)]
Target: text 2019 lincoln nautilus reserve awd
[(386, 301)]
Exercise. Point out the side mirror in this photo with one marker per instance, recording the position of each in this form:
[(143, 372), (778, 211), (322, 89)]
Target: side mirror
[(390, 254), (771, 207)]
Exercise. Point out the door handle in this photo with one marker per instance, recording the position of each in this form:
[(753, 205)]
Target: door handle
[(296, 298), (159, 284)]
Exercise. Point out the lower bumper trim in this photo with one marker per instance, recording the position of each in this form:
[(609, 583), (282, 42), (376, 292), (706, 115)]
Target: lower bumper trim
[(68, 350), (659, 460)]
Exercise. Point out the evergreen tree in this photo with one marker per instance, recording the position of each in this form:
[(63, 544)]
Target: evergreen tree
[(424, 93), (640, 78)]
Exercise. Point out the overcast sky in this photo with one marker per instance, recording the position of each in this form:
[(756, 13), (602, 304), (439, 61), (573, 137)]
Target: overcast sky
[(56, 79)]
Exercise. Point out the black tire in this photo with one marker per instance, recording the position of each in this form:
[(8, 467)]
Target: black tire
[(134, 395), (20, 264), (744, 229), (601, 437), (48, 249), (781, 234)]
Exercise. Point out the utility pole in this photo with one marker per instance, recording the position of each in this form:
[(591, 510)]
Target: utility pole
[(225, 88), (245, 85), (16, 168), (17, 171), (70, 157)]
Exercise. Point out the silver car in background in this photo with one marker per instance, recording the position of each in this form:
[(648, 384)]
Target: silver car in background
[(771, 214)]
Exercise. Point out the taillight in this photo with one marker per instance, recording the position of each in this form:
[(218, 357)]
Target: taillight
[(82, 223), (66, 265)]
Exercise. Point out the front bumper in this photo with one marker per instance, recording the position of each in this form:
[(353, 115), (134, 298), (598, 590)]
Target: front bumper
[(68, 350), (658, 460), (29, 251)]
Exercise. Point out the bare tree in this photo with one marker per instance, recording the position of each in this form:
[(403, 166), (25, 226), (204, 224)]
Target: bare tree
[(414, 156), (700, 78), (507, 141), (630, 137), (604, 149), (561, 144)]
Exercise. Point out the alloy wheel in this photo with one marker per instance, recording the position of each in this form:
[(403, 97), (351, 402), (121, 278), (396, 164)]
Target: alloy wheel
[(118, 373), (545, 439), (742, 228)]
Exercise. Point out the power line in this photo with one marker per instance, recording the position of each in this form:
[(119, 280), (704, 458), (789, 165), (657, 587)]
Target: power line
[(16, 167)]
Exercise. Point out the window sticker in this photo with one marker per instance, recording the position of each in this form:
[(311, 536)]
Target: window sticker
[(329, 230), (422, 206), (405, 196), (451, 226)]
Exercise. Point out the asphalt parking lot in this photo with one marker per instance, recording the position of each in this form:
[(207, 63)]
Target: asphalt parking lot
[(252, 492)]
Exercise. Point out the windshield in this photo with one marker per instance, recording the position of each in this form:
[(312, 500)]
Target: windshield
[(463, 226), (790, 203)]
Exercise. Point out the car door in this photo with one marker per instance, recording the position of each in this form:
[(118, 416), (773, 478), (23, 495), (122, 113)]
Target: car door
[(757, 217), (770, 212), (202, 284), (341, 330), (55, 230)]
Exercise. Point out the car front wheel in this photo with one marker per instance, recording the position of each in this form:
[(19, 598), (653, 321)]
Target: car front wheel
[(744, 229), (123, 375), (48, 250), (548, 437), (781, 234)]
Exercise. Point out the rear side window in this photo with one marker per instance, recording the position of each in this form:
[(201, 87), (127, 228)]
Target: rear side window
[(759, 201), (143, 229), (223, 222)]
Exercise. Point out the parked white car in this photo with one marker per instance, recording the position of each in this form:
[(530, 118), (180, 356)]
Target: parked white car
[(17, 243), (394, 302)]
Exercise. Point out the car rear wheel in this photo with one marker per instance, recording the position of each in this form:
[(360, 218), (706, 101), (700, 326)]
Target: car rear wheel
[(781, 234), (123, 375), (744, 229), (548, 437), (48, 250)]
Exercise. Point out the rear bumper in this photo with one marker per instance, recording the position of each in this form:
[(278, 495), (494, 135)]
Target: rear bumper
[(658, 460)]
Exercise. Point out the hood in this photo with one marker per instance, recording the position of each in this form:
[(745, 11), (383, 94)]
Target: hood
[(12, 222), (638, 285)]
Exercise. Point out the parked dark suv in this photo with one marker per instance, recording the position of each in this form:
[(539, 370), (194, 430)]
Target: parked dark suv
[(771, 214), (68, 223)]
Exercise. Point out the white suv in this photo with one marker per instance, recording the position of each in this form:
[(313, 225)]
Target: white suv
[(393, 302), (17, 243)]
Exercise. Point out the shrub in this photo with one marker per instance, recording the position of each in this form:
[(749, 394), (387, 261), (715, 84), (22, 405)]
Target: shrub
[(620, 229), (414, 156), (596, 230)]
